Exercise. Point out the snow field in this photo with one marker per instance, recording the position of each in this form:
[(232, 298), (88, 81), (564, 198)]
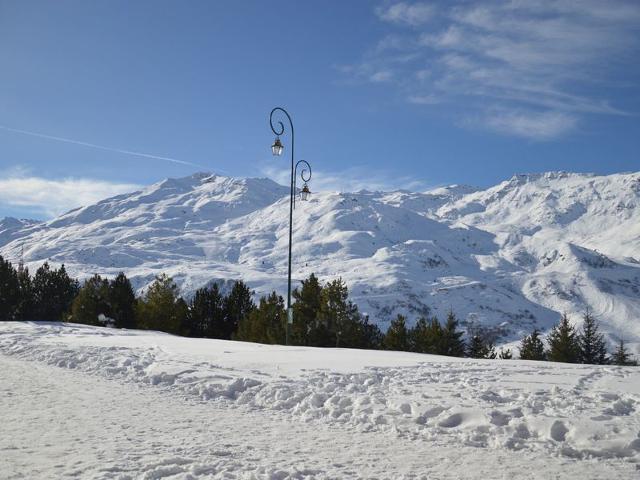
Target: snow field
[(63, 423), (571, 411)]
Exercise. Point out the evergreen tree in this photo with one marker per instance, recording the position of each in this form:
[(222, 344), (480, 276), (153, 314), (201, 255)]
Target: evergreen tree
[(199, 316), (53, 292), (419, 337), (92, 301), (591, 343), (480, 348), (450, 342), (181, 312), (397, 336), (356, 331), (122, 301), (24, 310), (159, 309), (9, 291), (308, 328), (505, 354), (339, 316), (532, 348), (563, 342), (325, 317), (622, 356), (237, 305), (426, 336), (266, 323), (434, 336), (206, 313), (372, 337)]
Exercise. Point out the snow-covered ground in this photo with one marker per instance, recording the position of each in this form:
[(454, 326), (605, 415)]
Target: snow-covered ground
[(508, 258), (88, 402)]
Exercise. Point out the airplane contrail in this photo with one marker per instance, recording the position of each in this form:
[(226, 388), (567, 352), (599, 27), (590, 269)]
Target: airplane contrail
[(101, 147)]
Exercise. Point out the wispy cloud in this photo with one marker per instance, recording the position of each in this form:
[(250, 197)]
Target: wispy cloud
[(50, 197), (352, 179), (544, 66), (538, 126), (406, 13), (98, 147)]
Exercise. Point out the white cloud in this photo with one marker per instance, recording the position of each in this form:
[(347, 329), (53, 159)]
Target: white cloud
[(407, 13), (381, 76), (352, 179), (538, 126), (51, 197), (547, 64), (423, 99)]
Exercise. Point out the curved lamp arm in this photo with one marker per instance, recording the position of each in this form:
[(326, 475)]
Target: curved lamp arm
[(305, 175)]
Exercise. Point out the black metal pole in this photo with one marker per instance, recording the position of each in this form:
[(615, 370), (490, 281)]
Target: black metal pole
[(292, 203), (280, 131)]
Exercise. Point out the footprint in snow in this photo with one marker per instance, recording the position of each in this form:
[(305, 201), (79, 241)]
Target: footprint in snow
[(451, 421), (620, 408), (559, 431), (500, 419)]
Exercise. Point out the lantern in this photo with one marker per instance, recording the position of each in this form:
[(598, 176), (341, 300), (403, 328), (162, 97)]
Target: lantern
[(277, 147), (305, 192)]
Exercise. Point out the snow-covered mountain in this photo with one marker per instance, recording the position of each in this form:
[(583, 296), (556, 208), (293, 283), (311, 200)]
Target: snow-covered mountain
[(11, 228), (509, 257)]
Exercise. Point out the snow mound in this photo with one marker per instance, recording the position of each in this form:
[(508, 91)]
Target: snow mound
[(581, 412)]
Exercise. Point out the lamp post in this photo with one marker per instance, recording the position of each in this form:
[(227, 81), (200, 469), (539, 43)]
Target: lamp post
[(305, 174)]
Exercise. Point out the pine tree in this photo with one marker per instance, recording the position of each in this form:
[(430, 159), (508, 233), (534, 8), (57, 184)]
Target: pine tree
[(158, 309), (53, 292), (505, 354), (532, 348), (122, 301), (434, 343), (338, 315), (9, 291), (181, 313), (451, 342), (419, 337), (206, 313), (237, 305), (480, 348), (24, 310), (591, 343), (622, 356), (91, 302), (323, 317), (266, 323), (397, 336), (372, 337), (563, 342), (426, 336), (308, 328)]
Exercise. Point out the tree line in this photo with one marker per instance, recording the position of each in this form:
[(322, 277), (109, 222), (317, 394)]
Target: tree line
[(323, 316), (566, 344)]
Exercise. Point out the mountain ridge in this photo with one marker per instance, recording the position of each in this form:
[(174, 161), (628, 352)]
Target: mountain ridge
[(508, 258)]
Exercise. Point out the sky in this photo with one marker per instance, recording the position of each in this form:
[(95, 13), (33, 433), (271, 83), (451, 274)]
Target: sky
[(99, 98)]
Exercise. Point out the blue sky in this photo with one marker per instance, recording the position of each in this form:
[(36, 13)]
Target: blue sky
[(383, 94)]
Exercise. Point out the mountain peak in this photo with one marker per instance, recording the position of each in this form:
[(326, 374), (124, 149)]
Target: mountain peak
[(508, 258), (523, 178)]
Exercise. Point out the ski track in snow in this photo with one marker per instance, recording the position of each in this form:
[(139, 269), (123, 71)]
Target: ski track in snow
[(577, 415)]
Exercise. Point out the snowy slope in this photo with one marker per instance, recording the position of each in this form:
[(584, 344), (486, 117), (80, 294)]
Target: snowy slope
[(11, 228), (134, 404), (509, 258)]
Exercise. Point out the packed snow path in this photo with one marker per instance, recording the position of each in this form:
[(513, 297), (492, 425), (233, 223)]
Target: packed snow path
[(83, 402)]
